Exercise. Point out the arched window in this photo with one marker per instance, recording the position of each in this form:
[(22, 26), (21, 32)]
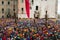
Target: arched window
[(22, 9), (8, 2), (32, 1), (36, 7), (2, 2)]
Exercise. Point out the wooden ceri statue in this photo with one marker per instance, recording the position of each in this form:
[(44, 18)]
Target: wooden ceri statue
[(36, 15)]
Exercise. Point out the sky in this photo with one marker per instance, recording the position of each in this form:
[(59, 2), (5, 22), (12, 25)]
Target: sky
[(58, 7)]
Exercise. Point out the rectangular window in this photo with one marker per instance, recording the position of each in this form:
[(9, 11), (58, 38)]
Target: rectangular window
[(13, 9), (2, 10)]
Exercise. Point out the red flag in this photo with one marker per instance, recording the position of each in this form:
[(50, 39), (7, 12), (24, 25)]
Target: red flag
[(27, 8)]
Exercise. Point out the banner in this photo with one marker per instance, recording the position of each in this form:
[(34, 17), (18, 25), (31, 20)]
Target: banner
[(27, 8)]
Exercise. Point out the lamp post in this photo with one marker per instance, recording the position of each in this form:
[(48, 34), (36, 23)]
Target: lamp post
[(46, 18)]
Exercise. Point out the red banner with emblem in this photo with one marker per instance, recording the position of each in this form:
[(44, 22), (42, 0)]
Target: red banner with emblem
[(27, 8)]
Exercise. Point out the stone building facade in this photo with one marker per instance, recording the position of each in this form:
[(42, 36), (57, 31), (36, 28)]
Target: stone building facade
[(38, 6), (8, 8)]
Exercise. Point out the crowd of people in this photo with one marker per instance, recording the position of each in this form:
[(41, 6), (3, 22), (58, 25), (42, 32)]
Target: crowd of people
[(29, 29)]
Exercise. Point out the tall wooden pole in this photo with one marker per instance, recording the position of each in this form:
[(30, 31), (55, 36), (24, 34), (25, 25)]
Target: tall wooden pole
[(46, 18), (15, 13)]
